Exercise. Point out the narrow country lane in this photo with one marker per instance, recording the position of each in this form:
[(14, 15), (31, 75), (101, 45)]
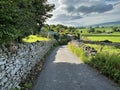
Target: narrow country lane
[(64, 71)]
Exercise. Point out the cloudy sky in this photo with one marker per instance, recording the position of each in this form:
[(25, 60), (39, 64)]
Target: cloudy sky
[(84, 12)]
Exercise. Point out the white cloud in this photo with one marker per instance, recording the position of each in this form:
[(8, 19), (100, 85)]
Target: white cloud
[(84, 12)]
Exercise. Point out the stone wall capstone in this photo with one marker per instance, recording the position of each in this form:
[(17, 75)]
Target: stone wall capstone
[(15, 66)]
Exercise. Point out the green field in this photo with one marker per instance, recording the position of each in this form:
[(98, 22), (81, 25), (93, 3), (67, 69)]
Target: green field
[(110, 37), (104, 29), (34, 38), (105, 48)]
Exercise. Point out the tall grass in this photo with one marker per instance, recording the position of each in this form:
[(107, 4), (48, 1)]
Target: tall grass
[(107, 63), (78, 52)]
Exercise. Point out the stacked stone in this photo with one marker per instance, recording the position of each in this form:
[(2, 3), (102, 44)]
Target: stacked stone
[(15, 65)]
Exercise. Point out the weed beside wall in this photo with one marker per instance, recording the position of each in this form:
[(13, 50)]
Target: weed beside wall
[(79, 52)]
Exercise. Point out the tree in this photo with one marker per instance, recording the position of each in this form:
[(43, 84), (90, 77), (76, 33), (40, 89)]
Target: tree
[(91, 30), (98, 31), (114, 29), (8, 20), (41, 9), (20, 17)]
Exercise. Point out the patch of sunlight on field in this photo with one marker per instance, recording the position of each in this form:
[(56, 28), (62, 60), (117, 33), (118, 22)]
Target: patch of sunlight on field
[(34, 38), (102, 38)]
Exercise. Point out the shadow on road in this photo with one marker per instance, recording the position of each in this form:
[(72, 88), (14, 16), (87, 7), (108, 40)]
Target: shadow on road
[(64, 71)]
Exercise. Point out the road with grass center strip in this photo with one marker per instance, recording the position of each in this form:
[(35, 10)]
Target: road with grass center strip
[(64, 71)]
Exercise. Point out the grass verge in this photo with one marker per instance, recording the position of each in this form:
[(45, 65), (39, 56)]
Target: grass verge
[(107, 63)]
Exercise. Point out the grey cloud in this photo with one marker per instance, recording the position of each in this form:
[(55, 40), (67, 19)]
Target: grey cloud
[(76, 17), (86, 6), (70, 8), (72, 2), (112, 0), (64, 17), (69, 12), (95, 8)]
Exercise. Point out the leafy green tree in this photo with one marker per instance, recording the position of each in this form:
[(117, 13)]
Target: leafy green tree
[(41, 9), (9, 14), (19, 18)]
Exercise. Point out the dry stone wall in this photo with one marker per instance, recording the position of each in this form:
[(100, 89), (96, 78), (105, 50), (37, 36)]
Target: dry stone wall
[(87, 49), (15, 66)]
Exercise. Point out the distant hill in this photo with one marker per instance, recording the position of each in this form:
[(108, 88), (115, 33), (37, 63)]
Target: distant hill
[(117, 23)]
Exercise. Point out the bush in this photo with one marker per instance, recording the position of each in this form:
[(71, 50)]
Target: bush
[(107, 41), (108, 64), (63, 39), (98, 31)]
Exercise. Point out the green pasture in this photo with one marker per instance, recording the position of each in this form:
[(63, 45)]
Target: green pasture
[(104, 29), (113, 38), (105, 49), (83, 31)]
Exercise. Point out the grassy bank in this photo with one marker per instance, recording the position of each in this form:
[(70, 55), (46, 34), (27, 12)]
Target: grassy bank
[(107, 63), (79, 52)]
